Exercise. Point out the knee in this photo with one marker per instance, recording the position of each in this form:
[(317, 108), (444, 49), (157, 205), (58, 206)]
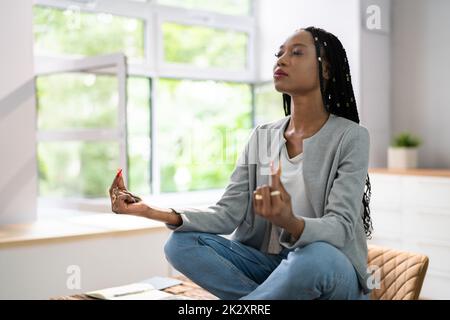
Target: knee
[(177, 245), (315, 259)]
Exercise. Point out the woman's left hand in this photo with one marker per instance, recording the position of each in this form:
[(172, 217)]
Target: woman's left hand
[(274, 202)]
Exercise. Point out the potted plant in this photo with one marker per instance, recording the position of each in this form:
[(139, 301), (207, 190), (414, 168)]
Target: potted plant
[(402, 153)]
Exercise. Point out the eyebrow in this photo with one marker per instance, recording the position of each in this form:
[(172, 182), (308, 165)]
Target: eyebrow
[(295, 45)]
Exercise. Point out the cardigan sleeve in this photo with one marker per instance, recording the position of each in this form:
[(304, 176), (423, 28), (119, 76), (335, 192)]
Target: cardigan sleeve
[(343, 208), (229, 211)]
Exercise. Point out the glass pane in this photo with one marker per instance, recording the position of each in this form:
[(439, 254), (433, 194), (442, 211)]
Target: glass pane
[(78, 33), (235, 7), (77, 169), (139, 135), (200, 136), (204, 47), (268, 104), (77, 100)]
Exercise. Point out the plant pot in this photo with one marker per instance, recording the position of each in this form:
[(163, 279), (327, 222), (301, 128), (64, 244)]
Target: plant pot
[(402, 158)]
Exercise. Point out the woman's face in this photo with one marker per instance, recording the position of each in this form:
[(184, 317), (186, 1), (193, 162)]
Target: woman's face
[(296, 68)]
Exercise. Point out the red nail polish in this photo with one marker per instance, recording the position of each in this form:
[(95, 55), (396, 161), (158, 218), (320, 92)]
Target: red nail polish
[(119, 172)]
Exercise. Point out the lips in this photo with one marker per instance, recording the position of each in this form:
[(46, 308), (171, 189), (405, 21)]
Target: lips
[(280, 73)]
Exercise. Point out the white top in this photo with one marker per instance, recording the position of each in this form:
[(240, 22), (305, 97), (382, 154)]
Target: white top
[(292, 180)]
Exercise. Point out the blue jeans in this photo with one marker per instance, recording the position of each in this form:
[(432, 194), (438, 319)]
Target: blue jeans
[(231, 270)]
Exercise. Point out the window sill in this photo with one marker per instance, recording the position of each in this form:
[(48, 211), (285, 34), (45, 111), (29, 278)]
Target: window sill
[(57, 224), (176, 199), (59, 219)]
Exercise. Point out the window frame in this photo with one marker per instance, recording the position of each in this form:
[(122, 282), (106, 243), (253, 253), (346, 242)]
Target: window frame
[(111, 64), (210, 20), (153, 68)]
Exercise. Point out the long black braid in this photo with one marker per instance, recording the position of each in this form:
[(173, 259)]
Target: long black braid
[(337, 94)]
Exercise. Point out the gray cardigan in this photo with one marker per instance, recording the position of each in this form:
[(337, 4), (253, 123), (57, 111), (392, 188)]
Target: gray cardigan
[(335, 166)]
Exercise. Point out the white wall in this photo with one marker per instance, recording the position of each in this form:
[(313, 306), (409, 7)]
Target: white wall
[(420, 74), (18, 187), (375, 103), (38, 270), (277, 20)]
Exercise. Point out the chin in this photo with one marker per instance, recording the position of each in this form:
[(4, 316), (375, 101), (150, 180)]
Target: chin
[(280, 88)]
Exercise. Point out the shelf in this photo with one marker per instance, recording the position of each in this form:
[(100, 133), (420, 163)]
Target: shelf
[(442, 173)]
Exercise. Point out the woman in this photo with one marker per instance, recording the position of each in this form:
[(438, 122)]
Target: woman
[(299, 230)]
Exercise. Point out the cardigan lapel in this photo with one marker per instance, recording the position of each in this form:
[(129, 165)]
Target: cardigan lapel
[(314, 154), (315, 179)]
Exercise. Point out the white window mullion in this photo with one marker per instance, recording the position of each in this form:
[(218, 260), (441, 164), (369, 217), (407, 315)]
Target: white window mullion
[(155, 161), (122, 113)]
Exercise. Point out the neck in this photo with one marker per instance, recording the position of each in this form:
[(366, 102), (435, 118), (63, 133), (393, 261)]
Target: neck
[(308, 115)]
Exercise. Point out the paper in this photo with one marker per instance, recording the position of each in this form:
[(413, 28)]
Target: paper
[(135, 291), (161, 283)]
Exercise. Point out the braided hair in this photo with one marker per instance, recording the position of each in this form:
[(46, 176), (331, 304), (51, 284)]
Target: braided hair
[(337, 94)]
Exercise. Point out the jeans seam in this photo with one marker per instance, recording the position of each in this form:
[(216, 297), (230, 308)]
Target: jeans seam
[(242, 277)]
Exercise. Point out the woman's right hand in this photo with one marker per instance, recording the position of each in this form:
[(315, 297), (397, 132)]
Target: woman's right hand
[(123, 201)]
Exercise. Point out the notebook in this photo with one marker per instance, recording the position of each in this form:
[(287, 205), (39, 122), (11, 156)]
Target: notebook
[(161, 283), (135, 291)]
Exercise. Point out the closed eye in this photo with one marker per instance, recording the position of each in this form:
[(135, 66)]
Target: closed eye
[(295, 53)]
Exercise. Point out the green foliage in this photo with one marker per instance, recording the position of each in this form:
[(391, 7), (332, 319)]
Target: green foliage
[(406, 140), (268, 104), (204, 47), (78, 33), (200, 134)]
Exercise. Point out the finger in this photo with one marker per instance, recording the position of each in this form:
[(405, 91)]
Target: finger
[(116, 178), (136, 198), (276, 183), (116, 205), (275, 196), (120, 183), (126, 197), (121, 205), (274, 175), (112, 196), (257, 200), (266, 201)]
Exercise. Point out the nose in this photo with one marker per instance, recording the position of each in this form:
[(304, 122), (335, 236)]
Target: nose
[(281, 61)]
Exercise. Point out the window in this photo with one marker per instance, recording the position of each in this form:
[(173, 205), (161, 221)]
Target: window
[(233, 7), (71, 32), (76, 168), (204, 47), (81, 127), (77, 100), (74, 100), (187, 72), (201, 130), (139, 143), (268, 104)]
